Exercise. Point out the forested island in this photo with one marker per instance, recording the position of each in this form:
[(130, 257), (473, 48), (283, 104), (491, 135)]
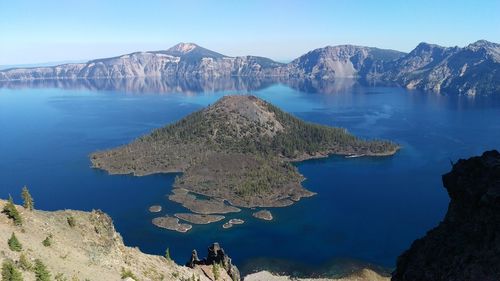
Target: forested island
[(237, 151)]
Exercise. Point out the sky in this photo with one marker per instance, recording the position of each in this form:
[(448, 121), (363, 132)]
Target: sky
[(35, 31)]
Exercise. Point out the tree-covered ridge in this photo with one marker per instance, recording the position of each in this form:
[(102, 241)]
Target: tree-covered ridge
[(237, 149), (303, 137), (286, 135)]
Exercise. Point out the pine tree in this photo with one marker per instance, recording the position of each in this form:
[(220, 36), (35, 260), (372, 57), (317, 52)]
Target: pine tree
[(167, 254), (11, 211), (14, 244), (41, 272), (29, 203), (71, 221), (126, 273), (215, 271), (24, 263), (9, 272)]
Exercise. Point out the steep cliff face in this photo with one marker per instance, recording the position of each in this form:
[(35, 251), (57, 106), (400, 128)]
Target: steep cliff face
[(466, 244), (188, 60), (345, 61), (472, 70), (184, 60)]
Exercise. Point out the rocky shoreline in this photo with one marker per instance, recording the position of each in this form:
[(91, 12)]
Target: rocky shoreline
[(201, 206), (199, 218), (263, 215), (362, 275), (171, 223), (155, 209), (232, 222)]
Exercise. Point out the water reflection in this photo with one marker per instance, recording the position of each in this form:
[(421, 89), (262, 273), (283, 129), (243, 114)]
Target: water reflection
[(344, 90), (159, 85), (189, 86)]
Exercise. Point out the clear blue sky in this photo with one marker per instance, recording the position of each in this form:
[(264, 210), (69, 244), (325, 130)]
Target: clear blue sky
[(34, 31)]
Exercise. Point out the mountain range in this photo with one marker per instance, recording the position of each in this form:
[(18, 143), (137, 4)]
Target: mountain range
[(470, 70)]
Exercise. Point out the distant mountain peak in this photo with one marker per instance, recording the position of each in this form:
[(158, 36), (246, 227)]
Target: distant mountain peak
[(191, 51), (482, 43), (492, 50), (427, 46), (183, 47)]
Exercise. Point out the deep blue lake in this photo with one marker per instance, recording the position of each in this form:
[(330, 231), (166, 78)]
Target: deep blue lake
[(367, 209)]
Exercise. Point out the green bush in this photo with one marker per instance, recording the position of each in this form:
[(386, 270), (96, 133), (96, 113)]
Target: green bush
[(10, 272), (60, 277), (71, 221), (41, 271), (167, 254), (215, 271), (14, 244), (47, 242), (11, 211), (126, 273), (24, 263)]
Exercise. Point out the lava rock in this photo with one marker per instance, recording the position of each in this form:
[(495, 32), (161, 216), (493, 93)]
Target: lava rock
[(466, 244), (216, 255)]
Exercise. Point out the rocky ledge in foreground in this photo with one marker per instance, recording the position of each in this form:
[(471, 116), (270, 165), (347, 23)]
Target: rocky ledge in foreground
[(237, 151), (83, 246), (466, 244)]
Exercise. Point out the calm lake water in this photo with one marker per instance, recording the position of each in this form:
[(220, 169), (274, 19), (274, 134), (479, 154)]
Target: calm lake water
[(367, 209)]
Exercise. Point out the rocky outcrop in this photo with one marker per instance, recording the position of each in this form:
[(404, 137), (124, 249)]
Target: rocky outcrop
[(215, 256), (466, 244)]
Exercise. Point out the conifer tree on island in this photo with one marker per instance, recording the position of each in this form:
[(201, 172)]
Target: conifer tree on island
[(29, 203)]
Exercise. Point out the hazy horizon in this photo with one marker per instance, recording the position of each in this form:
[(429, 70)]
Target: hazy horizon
[(36, 32)]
